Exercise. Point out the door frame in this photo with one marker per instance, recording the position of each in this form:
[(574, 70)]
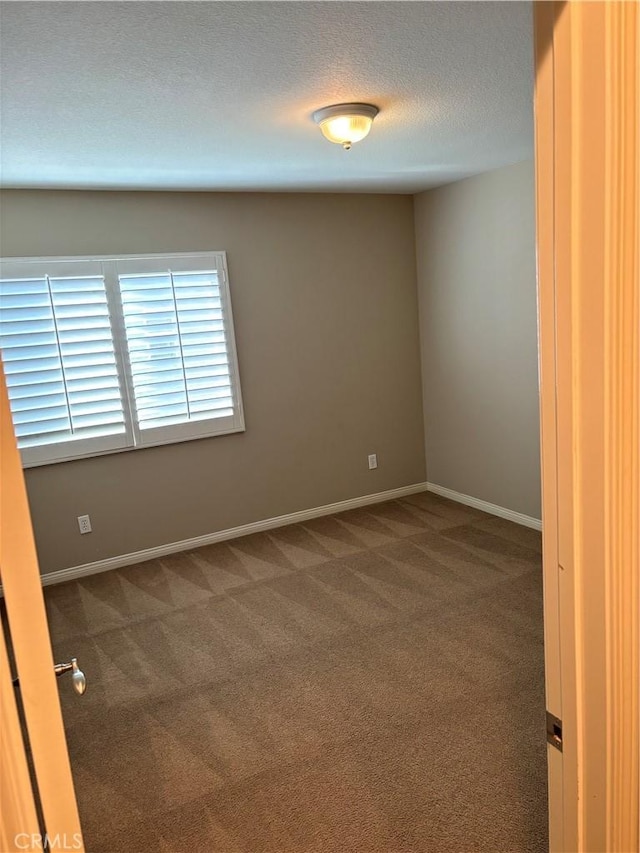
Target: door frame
[(587, 111)]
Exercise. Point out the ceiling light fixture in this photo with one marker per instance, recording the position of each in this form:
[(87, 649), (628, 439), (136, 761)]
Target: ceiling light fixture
[(345, 124)]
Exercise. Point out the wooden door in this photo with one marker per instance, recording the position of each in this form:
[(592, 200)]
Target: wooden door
[(34, 662)]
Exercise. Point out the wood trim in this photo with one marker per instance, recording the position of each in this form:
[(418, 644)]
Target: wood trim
[(30, 639), (566, 237), (590, 276), (18, 818), (622, 405)]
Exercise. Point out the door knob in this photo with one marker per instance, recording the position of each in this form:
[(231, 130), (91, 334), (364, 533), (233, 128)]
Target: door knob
[(77, 675), (78, 678)]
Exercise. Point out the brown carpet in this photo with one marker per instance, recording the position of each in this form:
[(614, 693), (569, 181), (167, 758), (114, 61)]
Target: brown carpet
[(368, 682)]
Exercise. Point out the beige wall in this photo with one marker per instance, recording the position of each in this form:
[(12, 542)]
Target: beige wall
[(325, 309), (475, 245)]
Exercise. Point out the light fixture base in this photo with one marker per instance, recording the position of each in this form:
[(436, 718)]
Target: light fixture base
[(355, 109)]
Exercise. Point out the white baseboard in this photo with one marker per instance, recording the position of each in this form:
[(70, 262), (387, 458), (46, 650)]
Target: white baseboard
[(492, 509), (74, 572), (221, 535)]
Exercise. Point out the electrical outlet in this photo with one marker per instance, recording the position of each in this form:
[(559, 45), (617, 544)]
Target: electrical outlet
[(373, 461), (84, 523)]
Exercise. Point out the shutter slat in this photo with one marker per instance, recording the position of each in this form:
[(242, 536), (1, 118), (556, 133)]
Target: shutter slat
[(188, 295), (74, 298), (155, 365), (96, 383), (24, 313), (208, 279), (98, 419), (29, 365), (197, 372), (29, 352), (215, 340), (13, 333), (159, 337), (62, 286), (194, 384), (89, 360), (151, 319), (95, 398), (195, 326), (43, 413), (215, 413), (37, 439), (20, 302), (36, 389), (74, 283), (19, 404), (202, 406), (150, 389), (97, 345), (165, 416), (24, 287), (43, 426), (72, 326), (90, 372), (91, 316), (32, 377), (163, 398), (166, 377), (204, 352), (81, 336), (194, 302), (214, 350), (166, 410), (144, 281), (180, 419), (209, 392), (88, 407), (199, 315), (150, 301)]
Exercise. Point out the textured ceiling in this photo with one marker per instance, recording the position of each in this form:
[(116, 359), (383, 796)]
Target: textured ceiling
[(219, 95)]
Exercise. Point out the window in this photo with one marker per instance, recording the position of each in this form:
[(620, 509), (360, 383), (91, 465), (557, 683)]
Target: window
[(108, 354)]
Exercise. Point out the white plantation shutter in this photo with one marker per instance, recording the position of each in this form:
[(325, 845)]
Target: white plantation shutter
[(181, 352), (59, 360), (112, 353)]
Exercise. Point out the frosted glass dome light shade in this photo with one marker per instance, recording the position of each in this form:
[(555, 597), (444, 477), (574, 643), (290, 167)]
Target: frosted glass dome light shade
[(345, 124)]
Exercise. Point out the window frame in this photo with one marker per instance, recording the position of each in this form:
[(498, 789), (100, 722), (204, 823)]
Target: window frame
[(133, 437)]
